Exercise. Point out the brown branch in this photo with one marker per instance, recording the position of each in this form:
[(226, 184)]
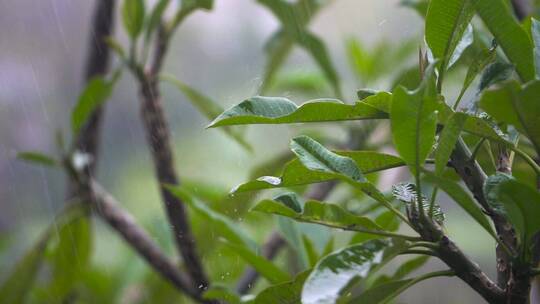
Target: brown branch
[(97, 63), (121, 221), (469, 272), (474, 177), (276, 242), (159, 141)]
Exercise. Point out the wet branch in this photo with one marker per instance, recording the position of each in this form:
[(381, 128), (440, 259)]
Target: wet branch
[(122, 222), (97, 64), (159, 141)]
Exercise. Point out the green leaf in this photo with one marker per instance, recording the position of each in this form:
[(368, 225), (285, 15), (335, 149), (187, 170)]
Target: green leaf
[(490, 190), (474, 125), (336, 271), (463, 199), (410, 266), (495, 73), (284, 293), (384, 293), (317, 49), (420, 6), (37, 158), (296, 174), (406, 193), (482, 58), (17, 285), (96, 92), (189, 5), (512, 38), (155, 18), (447, 140), (446, 23), (414, 121), (517, 106), (311, 251), (133, 17), (315, 212), (535, 31), (293, 19), (316, 157), (522, 206), (224, 226), (263, 266), (276, 49), (71, 257), (116, 46), (218, 292), (279, 110), (208, 107)]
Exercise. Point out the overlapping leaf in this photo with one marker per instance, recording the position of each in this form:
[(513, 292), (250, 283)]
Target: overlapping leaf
[(414, 121), (296, 174), (208, 108), (284, 293), (263, 266), (447, 140), (521, 206), (516, 105), (335, 272), (315, 212), (463, 199), (224, 226), (446, 23), (512, 38)]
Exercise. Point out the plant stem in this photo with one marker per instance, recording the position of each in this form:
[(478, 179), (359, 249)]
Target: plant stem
[(432, 201), (528, 159)]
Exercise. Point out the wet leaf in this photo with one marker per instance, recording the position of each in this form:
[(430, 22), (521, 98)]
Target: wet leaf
[(315, 212), (447, 140), (279, 110), (263, 266), (463, 199), (509, 34), (447, 32), (296, 174), (284, 293), (335, 272), (414, 121), (225, 227)]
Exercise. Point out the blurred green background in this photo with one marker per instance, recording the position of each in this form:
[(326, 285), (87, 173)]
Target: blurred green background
[(42, 54)]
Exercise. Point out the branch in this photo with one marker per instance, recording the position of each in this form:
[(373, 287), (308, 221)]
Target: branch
[(474, 177), (97, 63), (108, 209), (158, 137), (469, 272)]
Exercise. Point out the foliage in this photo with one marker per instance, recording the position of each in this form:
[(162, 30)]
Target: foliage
[(431, 136)]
